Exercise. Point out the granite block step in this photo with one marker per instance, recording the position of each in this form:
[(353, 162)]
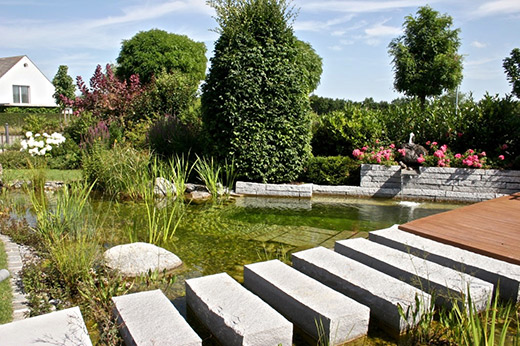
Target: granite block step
[(383, 294), (320, 311), (64, 327), (445, 284), (234, 315), (149, 318), (501, 274)]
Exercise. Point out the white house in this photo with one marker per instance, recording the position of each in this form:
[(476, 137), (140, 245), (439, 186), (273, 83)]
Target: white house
[(22, 84)]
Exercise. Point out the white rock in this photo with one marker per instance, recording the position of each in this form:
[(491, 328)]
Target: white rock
[(164, 187), (138, 258)]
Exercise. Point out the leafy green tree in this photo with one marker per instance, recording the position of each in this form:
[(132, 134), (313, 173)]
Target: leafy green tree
[(512, 69), (310, 64), (148, 53), (63, 84), (425, 58), (255, 100)]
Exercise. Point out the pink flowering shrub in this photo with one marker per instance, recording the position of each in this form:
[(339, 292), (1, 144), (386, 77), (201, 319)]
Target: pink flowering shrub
[(440, 156), (444, 157), (379, 154)]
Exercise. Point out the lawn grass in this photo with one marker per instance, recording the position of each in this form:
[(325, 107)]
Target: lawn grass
[(6, 295), (65, 175)]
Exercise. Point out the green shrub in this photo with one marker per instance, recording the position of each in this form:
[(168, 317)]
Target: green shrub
[(254, 102), (41, 123), (15, 159), (169, 136), (332, 170), (30, 110), (340, 132)]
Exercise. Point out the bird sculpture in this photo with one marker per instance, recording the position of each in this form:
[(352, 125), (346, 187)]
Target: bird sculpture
[(411, 153)]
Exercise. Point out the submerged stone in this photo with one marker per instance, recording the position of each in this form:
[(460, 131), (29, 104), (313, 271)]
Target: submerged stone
[(138, 258)]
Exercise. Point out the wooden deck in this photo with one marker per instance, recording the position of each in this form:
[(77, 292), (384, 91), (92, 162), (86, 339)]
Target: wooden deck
[(490, 228)]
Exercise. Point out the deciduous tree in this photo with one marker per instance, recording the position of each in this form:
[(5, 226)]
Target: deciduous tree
[(512, 69), (63, 84), (425, 58), (149, 53)]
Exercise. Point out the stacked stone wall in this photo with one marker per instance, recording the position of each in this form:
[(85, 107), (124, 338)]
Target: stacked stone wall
[(433, 183)]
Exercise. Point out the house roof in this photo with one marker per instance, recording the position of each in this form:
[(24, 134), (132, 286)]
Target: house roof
[(7, 63)]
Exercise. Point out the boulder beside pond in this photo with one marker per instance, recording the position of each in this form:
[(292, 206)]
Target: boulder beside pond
[(164, 187), (138, 258)]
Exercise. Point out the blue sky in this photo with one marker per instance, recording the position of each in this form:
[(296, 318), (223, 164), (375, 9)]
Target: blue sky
[(351, 36)]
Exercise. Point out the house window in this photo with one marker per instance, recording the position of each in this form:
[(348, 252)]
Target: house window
[(20, 94)]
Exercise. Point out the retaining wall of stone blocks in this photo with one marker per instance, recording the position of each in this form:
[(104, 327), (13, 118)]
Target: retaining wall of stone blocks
[(433, 183)]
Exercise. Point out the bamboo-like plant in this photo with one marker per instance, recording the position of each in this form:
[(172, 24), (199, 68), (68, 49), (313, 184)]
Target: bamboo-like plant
[(209, 173), (180, 171)]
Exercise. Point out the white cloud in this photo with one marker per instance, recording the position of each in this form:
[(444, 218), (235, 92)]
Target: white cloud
[(316, 26), (147, 12), (478, 44), (491, 8), (336, 48), (361, 6), (382, 30)]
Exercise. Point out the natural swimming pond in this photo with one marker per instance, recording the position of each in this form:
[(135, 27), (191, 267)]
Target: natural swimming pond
[(213, 238)]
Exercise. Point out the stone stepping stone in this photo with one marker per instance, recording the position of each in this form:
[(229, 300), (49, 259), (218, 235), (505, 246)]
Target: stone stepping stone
[(149, 318), (323, 313), (64, 327), (382, 293), (445, 284), (136, 259), (234, 315), (501, 274)]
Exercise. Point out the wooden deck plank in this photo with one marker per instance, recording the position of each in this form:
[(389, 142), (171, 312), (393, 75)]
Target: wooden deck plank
[(490, 228)]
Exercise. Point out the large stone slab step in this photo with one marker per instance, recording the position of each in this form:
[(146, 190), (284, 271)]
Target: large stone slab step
[(384, 294), (149, 318), (502, 274), (320, 311), (64, 327), (445, 284), (234, 315)]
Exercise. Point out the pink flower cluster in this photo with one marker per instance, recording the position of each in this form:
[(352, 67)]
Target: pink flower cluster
[(471, 159), (380, 155)]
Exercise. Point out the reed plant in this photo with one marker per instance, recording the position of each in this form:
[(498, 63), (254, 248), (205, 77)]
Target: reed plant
[(67, 216), (73, 259), (490, 327), (463, 325), (180, 169), (209, 173), (120, 171), (161, 222)]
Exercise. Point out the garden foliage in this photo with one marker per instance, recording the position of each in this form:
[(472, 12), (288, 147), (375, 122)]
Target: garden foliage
[(149, 53), (512, 69), (63, 84), (254, 102), (107, 98), (491, 125), (332, 170), (425, 57)]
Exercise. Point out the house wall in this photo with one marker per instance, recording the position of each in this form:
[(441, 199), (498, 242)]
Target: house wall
[(41, 89)]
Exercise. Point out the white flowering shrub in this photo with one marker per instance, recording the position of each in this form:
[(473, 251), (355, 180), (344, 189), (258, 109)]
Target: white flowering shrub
[(41, 144)]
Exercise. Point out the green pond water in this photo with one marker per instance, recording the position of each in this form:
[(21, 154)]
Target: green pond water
[(214, 238)]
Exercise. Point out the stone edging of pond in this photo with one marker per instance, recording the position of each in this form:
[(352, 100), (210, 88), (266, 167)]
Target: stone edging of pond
[(14, 265), (425, 183)]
